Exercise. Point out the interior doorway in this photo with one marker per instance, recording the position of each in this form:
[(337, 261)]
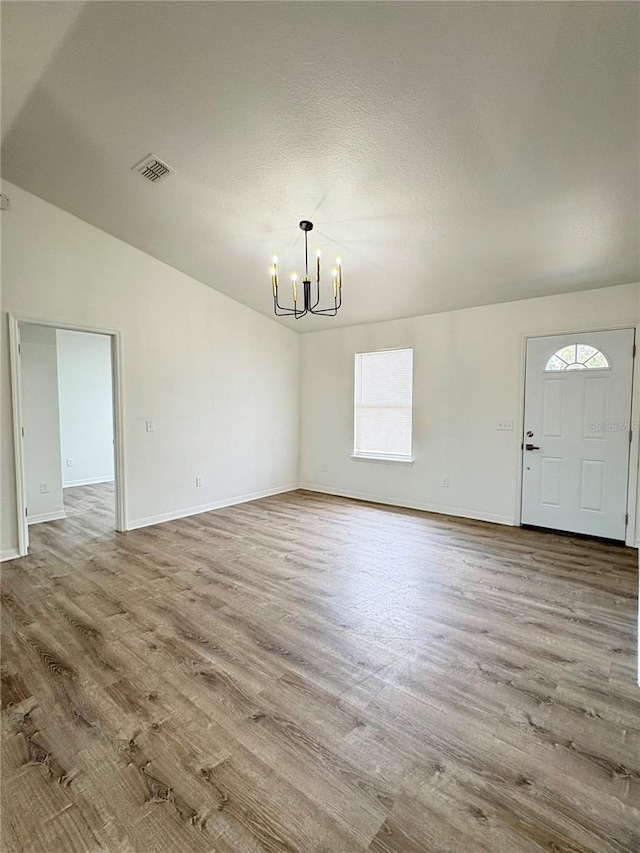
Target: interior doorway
[(67, 427), (577, 432)]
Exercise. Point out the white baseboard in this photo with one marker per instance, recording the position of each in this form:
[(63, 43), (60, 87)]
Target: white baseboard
[(437, 508), (88, 482), (9, 554), (196, 510), (46, 516)]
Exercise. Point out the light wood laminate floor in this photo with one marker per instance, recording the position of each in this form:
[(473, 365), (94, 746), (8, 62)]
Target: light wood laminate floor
[(307, 673)]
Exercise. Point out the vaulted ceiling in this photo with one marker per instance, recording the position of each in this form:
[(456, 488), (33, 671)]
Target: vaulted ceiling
[(453, 154)]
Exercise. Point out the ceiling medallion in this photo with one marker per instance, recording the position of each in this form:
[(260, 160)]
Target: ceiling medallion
[(306, 305)]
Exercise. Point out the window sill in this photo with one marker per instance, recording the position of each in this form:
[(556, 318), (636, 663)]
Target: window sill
[(403, 460)]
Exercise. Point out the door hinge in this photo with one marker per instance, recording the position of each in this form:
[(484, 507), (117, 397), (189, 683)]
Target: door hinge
[(26, 512), (630, 436), (633, 355), (22, 430), (19, 349), (626, 520)]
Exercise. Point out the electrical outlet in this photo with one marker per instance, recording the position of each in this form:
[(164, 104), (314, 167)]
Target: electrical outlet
[(151, 426), (70, 462), (445, 483), (324, 468), (505, 425), (198, 481), (44, 489)]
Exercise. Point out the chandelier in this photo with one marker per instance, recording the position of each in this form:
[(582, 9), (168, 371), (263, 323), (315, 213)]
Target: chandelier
[(307, 305)]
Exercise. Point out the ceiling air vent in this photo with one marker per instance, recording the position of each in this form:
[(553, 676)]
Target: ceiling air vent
[(153, 169)]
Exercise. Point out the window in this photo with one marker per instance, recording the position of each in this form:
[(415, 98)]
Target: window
[(383, 401), (578, 357)]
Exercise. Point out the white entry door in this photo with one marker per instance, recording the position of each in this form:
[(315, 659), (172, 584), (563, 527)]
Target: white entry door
[(577, 432)]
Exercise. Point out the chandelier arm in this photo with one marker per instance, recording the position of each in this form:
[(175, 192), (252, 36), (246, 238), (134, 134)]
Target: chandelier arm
[(308, 309), (315, 310), (297, 314), (285, 312), (330, 312), (283, 308), (290, 312)]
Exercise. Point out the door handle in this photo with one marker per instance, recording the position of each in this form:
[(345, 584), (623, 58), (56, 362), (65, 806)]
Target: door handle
[(531, 447)]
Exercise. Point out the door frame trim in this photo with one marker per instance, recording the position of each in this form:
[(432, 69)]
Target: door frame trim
[(117, 390), (631, 537)]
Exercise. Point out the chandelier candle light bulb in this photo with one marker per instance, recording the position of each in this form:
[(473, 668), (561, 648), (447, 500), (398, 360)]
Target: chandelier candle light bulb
[(310, 296)]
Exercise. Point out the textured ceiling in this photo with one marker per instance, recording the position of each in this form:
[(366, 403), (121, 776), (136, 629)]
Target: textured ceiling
[(453, 154)]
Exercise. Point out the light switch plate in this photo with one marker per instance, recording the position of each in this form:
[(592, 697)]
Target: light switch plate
[(505, 425)]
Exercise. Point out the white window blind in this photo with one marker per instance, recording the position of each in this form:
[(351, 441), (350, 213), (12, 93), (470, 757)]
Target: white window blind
[(383, 402)]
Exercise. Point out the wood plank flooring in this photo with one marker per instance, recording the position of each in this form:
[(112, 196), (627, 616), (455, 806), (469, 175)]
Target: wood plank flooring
[(307, 674)]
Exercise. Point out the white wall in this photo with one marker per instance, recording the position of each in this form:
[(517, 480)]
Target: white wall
[(219, 380), (635, 449), (468, 375), (41, 423), (86, 407)]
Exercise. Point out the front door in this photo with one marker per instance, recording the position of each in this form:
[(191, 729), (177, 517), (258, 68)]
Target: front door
[(577, 432)]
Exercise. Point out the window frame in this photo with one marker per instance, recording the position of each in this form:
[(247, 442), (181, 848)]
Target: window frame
[(570, 367), (406, 459)]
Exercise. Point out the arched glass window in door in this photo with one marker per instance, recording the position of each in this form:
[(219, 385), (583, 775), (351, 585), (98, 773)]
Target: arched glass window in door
[(578, 357)]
